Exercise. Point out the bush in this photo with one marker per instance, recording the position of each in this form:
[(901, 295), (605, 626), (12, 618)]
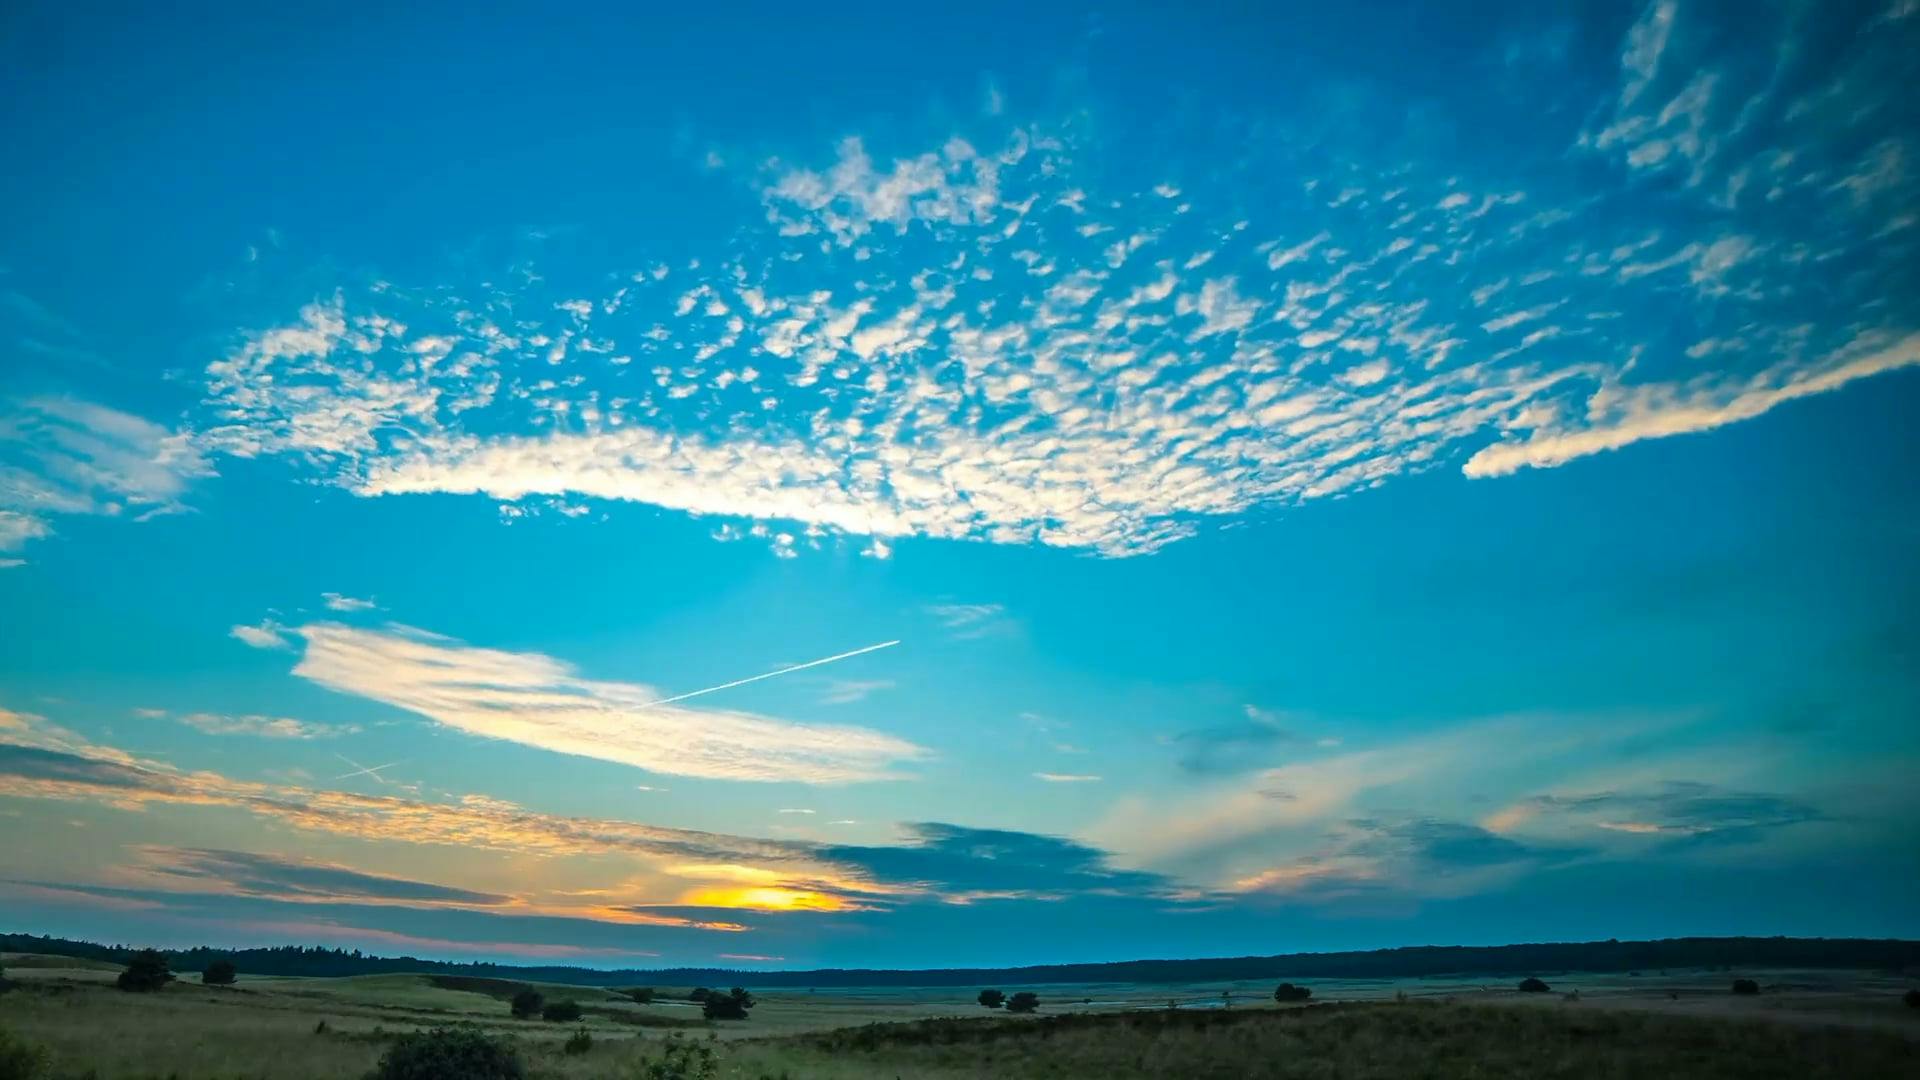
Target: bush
[(528, 1003), (681, 1060), (219, 973), (448, 1054), (732, 1005), (700, 993), (146, 971), (1533, 986), (1286, 992), (641, 995), (579, 1042), (322, 1028), (1912, 999), (21, 1060), (562, 1012), (1745, 986), (1023, 1002), (992, 999)]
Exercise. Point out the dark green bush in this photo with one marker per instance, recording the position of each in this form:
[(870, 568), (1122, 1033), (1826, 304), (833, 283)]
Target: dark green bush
[(528, 1003), (700, 993), (1023, 1002), (1745, 986), (681, 1060), (21, 1060), (1286, 992), (146, 971), (579, 1042), (732, 1005), (1533, 986), (641, 995), (219, 973), (448, 1054), (562, 1012), (1912, 999), (992, 999)]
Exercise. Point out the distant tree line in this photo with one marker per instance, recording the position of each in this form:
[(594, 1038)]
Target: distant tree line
[(1592, 956)]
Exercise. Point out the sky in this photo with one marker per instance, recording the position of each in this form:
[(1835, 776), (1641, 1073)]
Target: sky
[(1219, 481)]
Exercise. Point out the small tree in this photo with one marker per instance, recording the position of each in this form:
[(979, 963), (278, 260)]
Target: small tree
[(528, 1003), (1287, 992), (732, 1005), (1745, 986), (1533, 986), (562, 1012), (992, 999), (641, 995), (219, 973), (579, 1042), (146, 971), (700, 993), (448, 1054), (1023, 1002)]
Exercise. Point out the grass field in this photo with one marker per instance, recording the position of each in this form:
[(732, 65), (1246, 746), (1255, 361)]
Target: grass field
[(1805, 1024)]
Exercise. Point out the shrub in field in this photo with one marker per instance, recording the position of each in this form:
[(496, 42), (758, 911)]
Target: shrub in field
[(219, 973), (1023, 1002), (448, 1054), (1533, 986), (579, 1042), (146, 971), (1745, 986), (641, 995), (528, 1003), (992, 999), (700, 993), (680, 1060), (732, 1005), (562, 1012), (1288, 992), (1912, 999), (21, 1060), (322, 1028)]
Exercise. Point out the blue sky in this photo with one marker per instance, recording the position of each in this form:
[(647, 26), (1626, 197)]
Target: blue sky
[(1335, 478)]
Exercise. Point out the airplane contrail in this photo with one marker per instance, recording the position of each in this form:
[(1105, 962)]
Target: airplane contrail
[(771, 674), (363, 770)]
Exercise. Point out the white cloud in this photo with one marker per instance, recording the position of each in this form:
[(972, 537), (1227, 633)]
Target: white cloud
[(1066, 778), (1622, 414), (264, 727), (267, 635), (538, 701), (337, 602), (61, 455)]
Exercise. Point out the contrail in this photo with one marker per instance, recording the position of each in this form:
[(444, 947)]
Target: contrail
[(363, 770), (771, 674)]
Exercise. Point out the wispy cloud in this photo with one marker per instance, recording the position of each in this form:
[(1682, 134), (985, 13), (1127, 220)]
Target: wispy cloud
[(264, 727), (968, 621), (538, 701), (337, 602), (267, 635), (61, 455), (1066, 778), (1042, 362)]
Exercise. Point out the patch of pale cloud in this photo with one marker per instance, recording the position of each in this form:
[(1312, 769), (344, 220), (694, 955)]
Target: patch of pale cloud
[(264, 727), (538, 701), (338, 602), (1620, 415), (266, 635), (62, 455)]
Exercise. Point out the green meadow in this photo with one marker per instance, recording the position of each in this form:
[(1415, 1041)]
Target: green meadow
[(65, 1019)]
